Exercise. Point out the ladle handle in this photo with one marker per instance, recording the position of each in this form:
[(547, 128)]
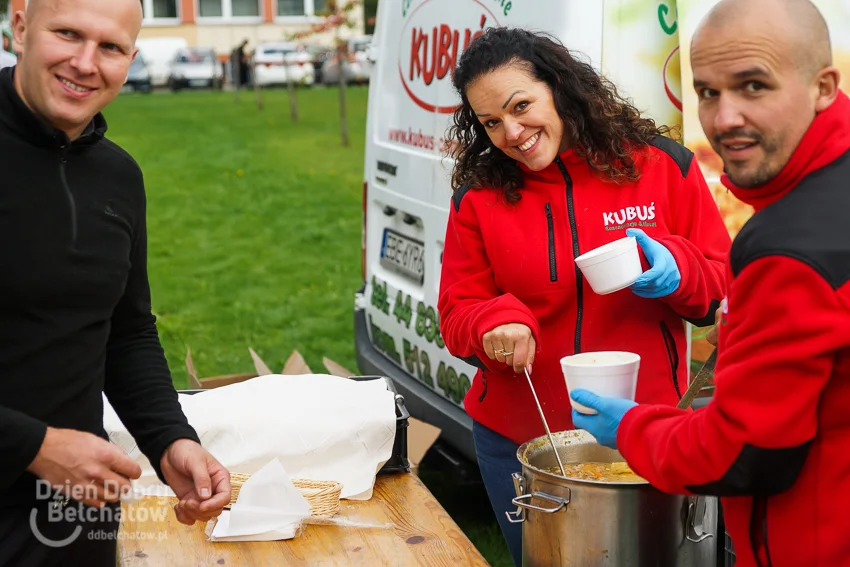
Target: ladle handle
[(545, 425)]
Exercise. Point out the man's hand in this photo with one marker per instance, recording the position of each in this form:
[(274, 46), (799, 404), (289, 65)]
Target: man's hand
[(200, 482), (606, 423), (96, 470), (712, 335), (512, 344)]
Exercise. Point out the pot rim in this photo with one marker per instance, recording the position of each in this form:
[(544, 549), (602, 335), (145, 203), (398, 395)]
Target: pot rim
[(523, 449)]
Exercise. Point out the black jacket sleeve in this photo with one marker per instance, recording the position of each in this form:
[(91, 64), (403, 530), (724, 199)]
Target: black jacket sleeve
[(21, 437), (138, 382)]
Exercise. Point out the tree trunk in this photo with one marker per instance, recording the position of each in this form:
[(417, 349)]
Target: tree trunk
[(236, 75), (343, 118), (293, 103)]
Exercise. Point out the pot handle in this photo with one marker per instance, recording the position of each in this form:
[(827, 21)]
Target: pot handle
[(561, 503), (696, 505), (518, 516)]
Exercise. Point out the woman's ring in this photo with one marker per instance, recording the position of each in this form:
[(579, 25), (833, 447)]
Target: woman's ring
[(507, 353), (499, 351)]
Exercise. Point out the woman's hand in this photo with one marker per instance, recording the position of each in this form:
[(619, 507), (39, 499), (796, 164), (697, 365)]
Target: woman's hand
[(663, 277), (512, 344)]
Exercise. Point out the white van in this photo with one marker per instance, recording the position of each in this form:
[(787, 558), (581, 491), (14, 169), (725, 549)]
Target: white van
[(159, 53), (406, 190)]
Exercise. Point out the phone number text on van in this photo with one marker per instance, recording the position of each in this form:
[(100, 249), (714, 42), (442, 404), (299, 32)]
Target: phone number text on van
[(416, 360)]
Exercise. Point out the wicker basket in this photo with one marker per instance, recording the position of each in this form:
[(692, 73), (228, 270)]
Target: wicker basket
[(322, 495)]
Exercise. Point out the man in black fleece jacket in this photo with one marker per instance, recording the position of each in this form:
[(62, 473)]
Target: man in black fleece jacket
[(75, 313)]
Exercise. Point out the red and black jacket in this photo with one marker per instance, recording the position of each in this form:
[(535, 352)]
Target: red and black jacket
[(516, 263), (775, 441)]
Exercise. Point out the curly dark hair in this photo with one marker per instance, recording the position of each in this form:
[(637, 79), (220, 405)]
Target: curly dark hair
[(606, 128)]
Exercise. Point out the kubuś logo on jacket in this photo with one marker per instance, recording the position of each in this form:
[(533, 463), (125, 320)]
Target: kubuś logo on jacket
[(630, 217), (430, 48)]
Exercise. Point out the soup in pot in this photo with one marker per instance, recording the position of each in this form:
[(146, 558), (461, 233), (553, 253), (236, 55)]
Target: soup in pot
[(601, 472)]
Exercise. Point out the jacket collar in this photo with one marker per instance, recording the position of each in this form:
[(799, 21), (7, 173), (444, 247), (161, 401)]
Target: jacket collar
[(552, 172), (827, 139), (17, 116)]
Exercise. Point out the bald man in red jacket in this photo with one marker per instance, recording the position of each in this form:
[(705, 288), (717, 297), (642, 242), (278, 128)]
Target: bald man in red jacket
[(775, 440)]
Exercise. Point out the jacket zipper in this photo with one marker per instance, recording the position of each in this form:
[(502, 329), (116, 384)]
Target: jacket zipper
[(484, 393), (672, 355), (71, 202), (574, 229), (553, 267)]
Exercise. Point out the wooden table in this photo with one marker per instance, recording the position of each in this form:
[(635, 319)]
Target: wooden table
[(423, 534)]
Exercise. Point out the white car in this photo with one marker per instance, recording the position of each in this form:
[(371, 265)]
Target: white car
[(158, 53), (277, 63), (356, 68), (194, 67)]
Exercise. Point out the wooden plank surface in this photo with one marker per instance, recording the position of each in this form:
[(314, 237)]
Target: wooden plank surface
[(422, 534)]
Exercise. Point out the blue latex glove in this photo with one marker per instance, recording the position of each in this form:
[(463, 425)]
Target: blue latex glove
[(605, 424), (663, 277)]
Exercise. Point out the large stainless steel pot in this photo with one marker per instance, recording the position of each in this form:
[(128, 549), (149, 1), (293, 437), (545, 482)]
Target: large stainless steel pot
[(581, 523)]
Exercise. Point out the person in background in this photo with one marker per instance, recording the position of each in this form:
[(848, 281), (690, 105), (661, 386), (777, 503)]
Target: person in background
[(75, 308), (8, 57), (774, 442), (242, 63), (552, 163)]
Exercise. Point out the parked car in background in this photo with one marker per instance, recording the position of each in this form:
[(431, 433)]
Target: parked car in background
[(159, 52), (194, 67), (356, 68), (276, 63), (138, 78)]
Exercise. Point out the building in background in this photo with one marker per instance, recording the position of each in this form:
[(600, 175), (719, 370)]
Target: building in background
[(223, 24)]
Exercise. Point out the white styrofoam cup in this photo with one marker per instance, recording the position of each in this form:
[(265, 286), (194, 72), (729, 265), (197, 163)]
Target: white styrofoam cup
[(611, 267), (609, 374)]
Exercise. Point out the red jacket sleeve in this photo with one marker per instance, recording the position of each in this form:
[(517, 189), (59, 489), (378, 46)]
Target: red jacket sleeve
[(470, 304), (777, 349), (700, 244)]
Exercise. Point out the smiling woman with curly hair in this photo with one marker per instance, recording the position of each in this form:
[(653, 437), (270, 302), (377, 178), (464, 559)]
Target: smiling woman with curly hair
[(601, 126), (551, 162)]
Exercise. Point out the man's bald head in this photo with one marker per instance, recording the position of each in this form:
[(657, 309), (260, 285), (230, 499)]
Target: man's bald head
[(34, 7), (763, 72), (75, 56), (796, 23)]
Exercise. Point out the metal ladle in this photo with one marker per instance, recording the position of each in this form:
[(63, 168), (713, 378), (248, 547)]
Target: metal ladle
[(546, 425)]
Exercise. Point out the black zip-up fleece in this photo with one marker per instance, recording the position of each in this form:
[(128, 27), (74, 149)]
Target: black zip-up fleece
[(75, 312)]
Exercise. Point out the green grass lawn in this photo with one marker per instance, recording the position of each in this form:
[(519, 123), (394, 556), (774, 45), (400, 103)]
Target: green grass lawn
[(254, 239), (254, 224)]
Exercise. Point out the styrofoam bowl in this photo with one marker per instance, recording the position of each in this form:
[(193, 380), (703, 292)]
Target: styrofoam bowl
[(610, 374), (611, 267)]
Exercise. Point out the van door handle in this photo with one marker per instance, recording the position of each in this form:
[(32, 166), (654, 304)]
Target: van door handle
[(409, 219), (389, 211)]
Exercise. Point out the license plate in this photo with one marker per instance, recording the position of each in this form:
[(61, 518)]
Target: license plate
[(198, 83), (403, 255)]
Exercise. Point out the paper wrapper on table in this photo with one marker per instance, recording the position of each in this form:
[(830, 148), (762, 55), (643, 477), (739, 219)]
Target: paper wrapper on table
[(318, 426), (269, 508)]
